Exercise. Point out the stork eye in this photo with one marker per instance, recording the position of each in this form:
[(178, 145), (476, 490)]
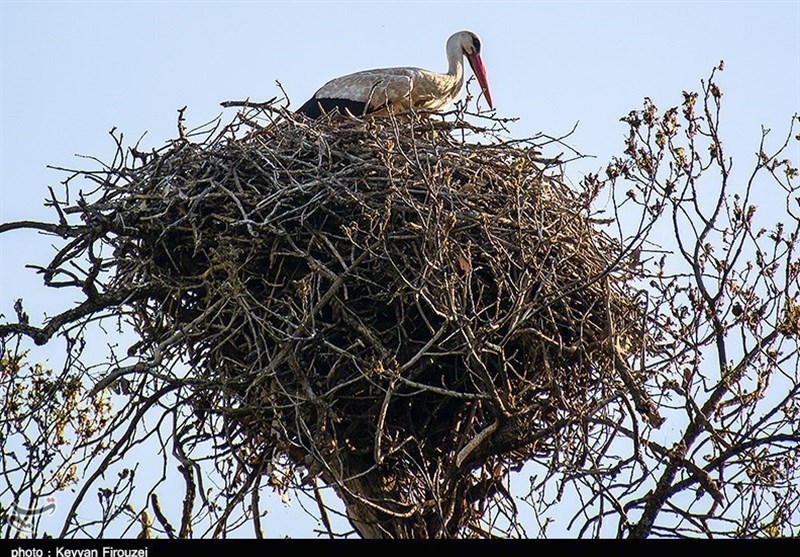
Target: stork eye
[(476, 44)]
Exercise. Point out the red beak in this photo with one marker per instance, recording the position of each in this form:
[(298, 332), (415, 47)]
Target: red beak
[(480, 73)]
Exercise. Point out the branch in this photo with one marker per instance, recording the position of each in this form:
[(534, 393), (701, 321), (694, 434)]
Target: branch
[(100, 302)]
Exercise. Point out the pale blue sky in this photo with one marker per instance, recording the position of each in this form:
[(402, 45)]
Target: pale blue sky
[(70, 71)]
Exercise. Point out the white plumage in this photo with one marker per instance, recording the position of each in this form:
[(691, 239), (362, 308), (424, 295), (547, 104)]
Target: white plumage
[(402, 89)]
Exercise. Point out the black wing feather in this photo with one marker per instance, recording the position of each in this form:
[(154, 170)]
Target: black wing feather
[(314, 107)]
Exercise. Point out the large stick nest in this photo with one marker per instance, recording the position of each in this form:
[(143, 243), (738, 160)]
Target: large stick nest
[(386, 303)]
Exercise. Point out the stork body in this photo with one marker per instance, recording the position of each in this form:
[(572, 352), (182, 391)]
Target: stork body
[(402, 89)]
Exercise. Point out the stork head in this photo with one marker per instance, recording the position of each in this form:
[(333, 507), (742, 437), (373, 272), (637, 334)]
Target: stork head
[(471, 47)]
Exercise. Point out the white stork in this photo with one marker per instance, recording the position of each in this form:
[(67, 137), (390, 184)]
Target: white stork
[(402, 89)]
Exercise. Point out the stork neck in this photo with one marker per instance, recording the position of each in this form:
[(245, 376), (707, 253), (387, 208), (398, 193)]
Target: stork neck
[(455, 60)]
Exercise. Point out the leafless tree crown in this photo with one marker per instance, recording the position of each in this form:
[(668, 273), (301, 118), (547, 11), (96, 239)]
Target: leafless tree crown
[(410, 310)]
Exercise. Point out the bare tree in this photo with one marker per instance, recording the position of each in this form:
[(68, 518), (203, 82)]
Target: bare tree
[(414, 311)]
